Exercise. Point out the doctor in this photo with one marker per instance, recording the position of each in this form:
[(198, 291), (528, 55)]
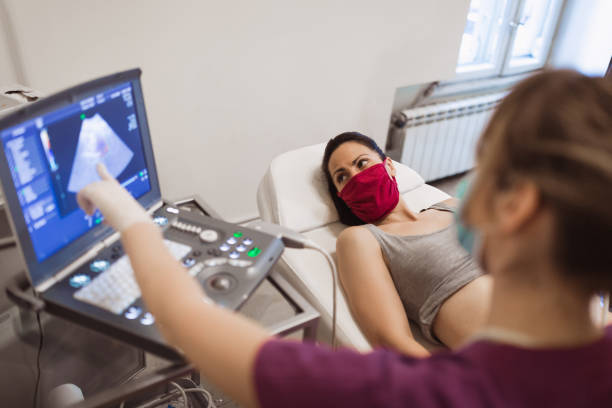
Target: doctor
[(541, 208)]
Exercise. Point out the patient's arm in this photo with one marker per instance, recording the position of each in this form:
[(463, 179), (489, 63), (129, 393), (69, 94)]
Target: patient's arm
[(453, 202), (371, 294)]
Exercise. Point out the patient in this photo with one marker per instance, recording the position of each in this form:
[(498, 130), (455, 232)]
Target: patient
[(396, 265)]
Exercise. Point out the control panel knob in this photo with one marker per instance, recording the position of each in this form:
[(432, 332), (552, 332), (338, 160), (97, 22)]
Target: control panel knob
[(147, 319), (79, 280), (209, 235), (222, 282), (188, 262), (133, 313), (161, 221), (99, 265)]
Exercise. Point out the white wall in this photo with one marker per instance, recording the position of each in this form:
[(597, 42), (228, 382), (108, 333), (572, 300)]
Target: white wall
[(229, 85), (8, 75), (584, 40)]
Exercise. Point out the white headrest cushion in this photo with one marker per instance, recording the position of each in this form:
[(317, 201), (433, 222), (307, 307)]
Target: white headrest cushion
[(296, 190)]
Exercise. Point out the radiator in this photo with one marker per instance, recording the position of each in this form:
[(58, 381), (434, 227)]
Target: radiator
[(439, 140)]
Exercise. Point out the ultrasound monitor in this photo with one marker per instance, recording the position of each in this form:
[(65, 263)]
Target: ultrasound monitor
[(77, 265), (52, 155)]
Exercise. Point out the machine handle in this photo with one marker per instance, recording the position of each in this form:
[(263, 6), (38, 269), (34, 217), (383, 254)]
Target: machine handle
[(22, 298)]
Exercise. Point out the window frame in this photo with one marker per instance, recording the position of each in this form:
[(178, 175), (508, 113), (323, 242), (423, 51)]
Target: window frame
[(502, 65), (486, 70), (531, 64)]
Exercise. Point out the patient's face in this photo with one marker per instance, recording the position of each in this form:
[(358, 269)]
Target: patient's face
[(349, 159)]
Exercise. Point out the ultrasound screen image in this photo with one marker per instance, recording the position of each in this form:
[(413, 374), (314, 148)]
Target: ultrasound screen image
[(98, 143), (104, 133)]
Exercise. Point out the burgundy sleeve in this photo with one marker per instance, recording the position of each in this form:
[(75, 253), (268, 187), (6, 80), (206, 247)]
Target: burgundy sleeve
[(289, 373), (305, 375), (296, 374)]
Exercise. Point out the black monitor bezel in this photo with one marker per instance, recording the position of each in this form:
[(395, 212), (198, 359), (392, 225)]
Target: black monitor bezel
[(40, 272)]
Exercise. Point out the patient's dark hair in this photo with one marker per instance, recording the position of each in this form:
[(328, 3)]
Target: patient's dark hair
[(346, 215)]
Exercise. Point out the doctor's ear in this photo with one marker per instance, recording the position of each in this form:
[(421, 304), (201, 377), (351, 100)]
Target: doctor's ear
[(517, 206), (390, 167)]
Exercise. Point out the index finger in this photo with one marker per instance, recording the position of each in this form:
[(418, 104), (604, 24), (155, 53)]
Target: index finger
[(84, 200), (103, 172)]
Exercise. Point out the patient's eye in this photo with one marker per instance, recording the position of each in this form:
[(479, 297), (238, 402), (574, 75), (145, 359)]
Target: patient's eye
[(361, 163), (340, 178)]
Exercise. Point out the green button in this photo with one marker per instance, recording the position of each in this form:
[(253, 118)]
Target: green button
[(254, 252), (238, 234)]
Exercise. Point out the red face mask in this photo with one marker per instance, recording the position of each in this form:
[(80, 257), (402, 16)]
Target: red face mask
[(371, 194)]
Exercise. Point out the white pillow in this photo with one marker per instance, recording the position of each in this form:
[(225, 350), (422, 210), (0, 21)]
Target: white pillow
[(296, 189)]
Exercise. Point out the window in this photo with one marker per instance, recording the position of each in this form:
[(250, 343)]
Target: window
[(504, 37), (480, 44)]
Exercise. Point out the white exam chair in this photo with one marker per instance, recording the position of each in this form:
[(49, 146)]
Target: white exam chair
[(293, 193)]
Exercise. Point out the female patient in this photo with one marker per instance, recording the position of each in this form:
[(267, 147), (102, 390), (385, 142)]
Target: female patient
[(396, 265)]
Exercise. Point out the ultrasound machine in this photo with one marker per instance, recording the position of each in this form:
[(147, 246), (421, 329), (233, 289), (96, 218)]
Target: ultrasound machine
[(75, 263)]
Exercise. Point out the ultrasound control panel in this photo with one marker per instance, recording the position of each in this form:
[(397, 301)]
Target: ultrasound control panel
[(227, 260)]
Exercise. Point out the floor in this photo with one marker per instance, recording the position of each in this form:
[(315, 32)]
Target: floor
[(267, 305)]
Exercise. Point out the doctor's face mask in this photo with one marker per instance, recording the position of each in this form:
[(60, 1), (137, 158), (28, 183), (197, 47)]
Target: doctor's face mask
[(469, 238)]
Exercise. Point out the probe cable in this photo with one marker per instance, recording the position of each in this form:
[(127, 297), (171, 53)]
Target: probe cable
[(182, 391), (40, 346), (200, 389), (334, 275)]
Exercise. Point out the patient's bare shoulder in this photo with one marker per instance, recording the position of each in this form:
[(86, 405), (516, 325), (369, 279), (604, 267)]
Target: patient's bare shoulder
[(355, 238), (453, 202)]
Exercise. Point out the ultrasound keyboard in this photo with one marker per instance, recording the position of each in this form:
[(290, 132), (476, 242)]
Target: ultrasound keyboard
[(115, 288)]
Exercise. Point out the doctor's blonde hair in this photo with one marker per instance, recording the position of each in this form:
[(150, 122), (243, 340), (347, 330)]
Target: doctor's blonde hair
[(555, 130)]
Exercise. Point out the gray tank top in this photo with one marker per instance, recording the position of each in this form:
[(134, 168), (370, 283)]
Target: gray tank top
[(426, 269)]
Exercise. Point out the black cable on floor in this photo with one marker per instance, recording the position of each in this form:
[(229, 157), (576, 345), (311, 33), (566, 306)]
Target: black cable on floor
[(40, 346)]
